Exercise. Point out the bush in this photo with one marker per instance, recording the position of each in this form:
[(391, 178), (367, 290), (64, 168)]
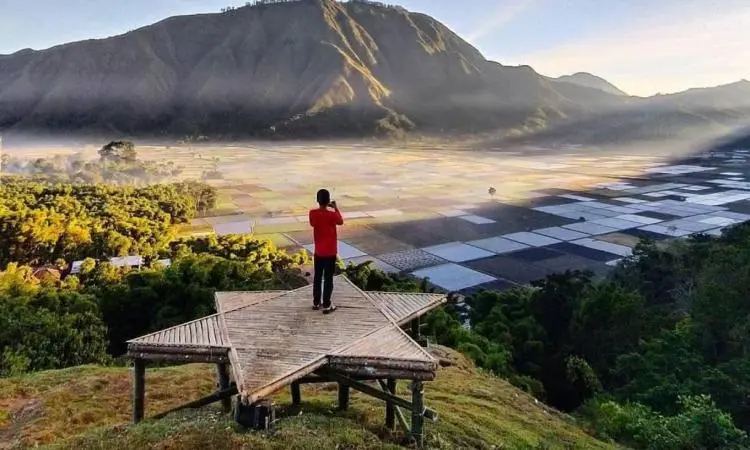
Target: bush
[(699, 425)]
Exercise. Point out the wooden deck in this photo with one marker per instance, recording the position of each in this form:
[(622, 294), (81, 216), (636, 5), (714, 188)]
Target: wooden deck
[(274, 338)]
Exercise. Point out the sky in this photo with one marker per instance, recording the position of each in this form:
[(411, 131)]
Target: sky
[(642, 46)]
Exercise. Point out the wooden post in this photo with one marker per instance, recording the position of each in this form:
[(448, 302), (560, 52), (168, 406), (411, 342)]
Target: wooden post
[(390, 408), (417, 421), (343, 397), (415, 332), (222, 374), (379, 394), (139, 388), (296, 394)]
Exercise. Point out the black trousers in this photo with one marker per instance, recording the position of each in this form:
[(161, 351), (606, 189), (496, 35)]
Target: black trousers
[(323, 279)]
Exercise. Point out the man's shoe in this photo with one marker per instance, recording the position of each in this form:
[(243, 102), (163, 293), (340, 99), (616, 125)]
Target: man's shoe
[(316, 307), (329, 310)]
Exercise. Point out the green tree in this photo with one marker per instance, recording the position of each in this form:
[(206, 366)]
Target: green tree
[(119, 151)]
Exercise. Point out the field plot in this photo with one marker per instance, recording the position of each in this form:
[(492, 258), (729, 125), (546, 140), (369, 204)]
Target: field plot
[(434, 214)]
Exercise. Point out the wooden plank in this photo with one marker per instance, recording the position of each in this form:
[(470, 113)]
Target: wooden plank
[(180, 357), (180, 334), (406, 306), (211, 332), (386, 343), (230, 301), (204, 331)]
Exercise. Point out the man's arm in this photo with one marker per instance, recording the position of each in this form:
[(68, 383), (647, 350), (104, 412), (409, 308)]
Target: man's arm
[(339, 218), (310, 218)]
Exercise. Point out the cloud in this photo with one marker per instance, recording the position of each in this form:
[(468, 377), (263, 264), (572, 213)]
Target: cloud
[(501, 15), (666, 53)]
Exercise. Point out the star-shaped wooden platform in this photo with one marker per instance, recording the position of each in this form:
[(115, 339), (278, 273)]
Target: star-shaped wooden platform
[(274, 338)]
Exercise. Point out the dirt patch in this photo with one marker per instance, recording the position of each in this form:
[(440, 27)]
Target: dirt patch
[(23, 412), (448, 357)]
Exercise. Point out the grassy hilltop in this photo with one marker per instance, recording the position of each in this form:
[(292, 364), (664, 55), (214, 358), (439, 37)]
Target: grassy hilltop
[(88, 407)]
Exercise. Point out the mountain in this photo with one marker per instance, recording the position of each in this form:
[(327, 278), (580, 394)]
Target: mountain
[(314, 66), (310, 68), (592, 81), (702, 113)]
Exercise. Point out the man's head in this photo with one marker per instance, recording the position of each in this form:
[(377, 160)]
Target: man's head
[(324, 197)]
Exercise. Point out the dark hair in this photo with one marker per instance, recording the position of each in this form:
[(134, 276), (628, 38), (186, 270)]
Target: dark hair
[(324, 197)]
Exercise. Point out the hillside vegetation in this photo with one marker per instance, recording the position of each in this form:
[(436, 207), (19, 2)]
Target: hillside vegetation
[(85, 408), (654, 356)]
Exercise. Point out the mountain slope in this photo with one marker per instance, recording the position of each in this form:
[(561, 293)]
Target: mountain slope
[(80, 408), (320, 68), (315, 64), (702, 114), (591, 81)]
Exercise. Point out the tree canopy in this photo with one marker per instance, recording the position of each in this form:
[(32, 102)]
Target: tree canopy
[(119, 151), (44, 222)]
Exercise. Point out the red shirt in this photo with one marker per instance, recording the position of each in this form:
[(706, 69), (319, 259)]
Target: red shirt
[(324, 222)]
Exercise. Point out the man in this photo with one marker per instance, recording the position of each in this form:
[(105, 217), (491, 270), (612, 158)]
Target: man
[(324, 221)]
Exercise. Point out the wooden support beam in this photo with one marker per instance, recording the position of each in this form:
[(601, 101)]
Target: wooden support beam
[(139, 389), (311, 379), (391, 387), (397, 411), (296, 393), (134, 350), (343, 397), (390, 408), (364, 372), (213, 398), (416, 332), (374, 392), (222, 375), (417, 412), (415, 328), (179, 358), (383, 363)]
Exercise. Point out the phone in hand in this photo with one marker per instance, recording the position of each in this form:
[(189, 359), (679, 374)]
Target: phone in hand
[(332, 204)]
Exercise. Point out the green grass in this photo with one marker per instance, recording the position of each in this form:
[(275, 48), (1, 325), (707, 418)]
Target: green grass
[(189, 230), (278, 239), (88, 408)]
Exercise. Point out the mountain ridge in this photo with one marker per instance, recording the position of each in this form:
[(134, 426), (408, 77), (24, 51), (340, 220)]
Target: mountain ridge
[(586, 79), (292, 70)]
